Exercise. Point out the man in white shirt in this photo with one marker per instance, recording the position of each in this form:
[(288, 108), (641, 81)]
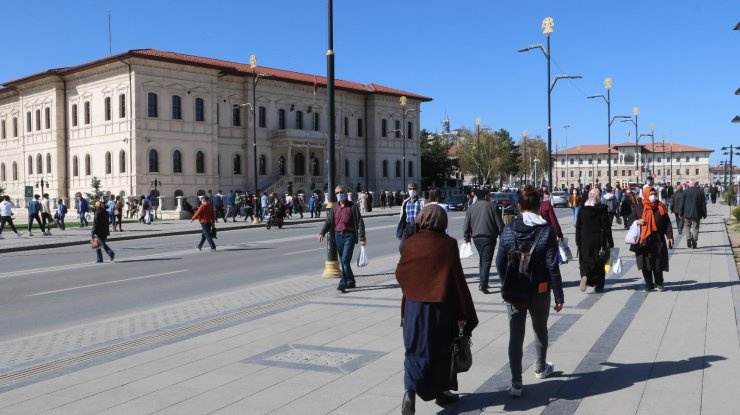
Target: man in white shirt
[(6, 216), (46, 218)]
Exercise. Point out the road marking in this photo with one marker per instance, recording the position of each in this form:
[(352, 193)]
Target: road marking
[(307, 250), (107, 283)]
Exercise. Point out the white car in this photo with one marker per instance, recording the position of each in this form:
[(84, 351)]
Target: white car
[(559, 198)]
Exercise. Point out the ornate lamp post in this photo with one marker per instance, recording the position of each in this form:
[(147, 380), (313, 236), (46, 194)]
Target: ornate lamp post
[(331, 266), (609, 121), (404, 112), (42, 183), (155, 200), (547, 30), (636, 112), (730, 150), (567, 162), (255, 78)]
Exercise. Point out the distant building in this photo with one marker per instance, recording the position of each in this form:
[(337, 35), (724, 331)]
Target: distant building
[(722, 175), (669, 163), (186, 122)]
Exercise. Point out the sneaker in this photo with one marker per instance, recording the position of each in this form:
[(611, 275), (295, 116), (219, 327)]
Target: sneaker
[(30, 234), (112, 256), (19, 234), (197, 248), (515, 390), (648, 289), (213, 249), (584, 283), (547, 371), (660, 288), (48, 233)]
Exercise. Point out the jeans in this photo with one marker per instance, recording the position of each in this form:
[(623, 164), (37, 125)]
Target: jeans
[(99, 251), (648, 276), (345, 242), (679, 223), (8, 220), (31, 217), (575, 210), (112, 219), (485, 247), (83, 221), (206, 236), (60, 222), (539, 311)]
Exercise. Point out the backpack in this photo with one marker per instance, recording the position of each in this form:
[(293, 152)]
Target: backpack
[(517, 286)]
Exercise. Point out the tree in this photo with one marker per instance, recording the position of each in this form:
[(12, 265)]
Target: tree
[(531, 149), (435, 163), (487, 155), (96, 194)]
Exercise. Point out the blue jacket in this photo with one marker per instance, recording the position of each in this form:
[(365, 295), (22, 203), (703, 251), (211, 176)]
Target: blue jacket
[(84, 206), (545, 265), (34, 206), (229, 199)]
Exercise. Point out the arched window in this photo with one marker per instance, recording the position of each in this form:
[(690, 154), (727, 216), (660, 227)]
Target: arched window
[(87, 112), (262, 165), (346, 168), (153, 161), (315, 167), (74, 115), (176, 107), (411, 169), (30, 165), (281, 119), (88, 165), (48, 163), (15, 171), (200, 162), (107, 109), (199, 111), (385, 168), (176, 161), (152, 105), (39, 164), (75, 166), (122, 106), (281, 166), (361, 168), (47, 118), (2, 172), (108, 163), (299, 120), (122, 161), (38, 120), (237, 162), (299, 164), (398, 168)]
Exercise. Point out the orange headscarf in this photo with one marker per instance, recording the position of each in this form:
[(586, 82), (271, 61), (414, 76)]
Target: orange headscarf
[(648, 214)]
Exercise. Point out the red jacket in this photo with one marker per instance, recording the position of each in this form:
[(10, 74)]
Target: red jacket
[(204, 214), (548, 214)]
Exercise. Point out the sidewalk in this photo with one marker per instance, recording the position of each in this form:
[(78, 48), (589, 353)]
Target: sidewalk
[(310, 350), (74, 235)]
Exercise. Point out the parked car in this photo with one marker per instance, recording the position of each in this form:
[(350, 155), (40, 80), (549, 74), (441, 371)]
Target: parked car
[(456, 202), (559, 198), (506, 201)]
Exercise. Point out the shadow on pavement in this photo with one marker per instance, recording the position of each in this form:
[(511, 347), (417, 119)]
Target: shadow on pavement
[(577, 386), (123, 261)]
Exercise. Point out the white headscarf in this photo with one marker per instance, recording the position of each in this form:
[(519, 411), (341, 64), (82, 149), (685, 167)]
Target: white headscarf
[(594, 197)]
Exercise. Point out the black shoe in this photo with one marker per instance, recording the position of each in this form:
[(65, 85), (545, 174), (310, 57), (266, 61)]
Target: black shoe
[(693, 243), (688, 243), (408, 404), (112, 256), (351, 284), (446, 398), (484, 290), (341, 289)]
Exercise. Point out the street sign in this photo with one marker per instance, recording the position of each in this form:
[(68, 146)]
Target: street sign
[(29, 191), (664, 178)]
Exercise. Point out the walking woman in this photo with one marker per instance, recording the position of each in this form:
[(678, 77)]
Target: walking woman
[(436, 301), (651, 251), (574, 201), (101, 225), (625, 207), (206, 217), (676, 206), (593, 233)]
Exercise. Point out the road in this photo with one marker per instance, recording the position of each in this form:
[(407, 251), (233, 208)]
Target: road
[(55, 288)]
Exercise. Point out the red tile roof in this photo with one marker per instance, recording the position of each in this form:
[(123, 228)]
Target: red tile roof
[(603, 148), (235, 68)]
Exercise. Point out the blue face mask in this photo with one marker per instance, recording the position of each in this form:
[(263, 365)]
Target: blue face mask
[(340, 197)]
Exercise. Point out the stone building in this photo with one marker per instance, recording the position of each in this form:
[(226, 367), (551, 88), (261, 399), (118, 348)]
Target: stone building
[(667, 162), (185, 123)]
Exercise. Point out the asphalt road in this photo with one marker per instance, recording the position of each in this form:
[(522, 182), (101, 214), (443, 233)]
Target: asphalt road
[(54, 288)]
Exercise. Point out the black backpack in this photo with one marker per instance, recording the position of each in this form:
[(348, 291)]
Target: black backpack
[(517, 287)]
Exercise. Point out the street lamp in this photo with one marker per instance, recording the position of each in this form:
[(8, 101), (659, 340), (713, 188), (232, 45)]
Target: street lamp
[(609, 121), (636, 112), (547, 30), (536, 161), (730, 150), (404, 112), (478, 130), (567, 162), (155, 199), (42, 183), (652, 137), (331, 266)]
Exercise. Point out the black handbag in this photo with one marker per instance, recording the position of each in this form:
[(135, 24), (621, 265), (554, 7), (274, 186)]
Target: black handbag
[(214, 234), (462, 357), (604, 252)]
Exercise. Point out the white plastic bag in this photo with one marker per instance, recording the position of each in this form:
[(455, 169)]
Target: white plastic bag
[(362, 260), (566, 249), (562, 255), (633, 234), (617, 265), (466, 251)]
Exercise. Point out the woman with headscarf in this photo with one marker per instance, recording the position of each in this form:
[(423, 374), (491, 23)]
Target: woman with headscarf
[(593, 233), (100, 230), (436, 301), (651, 252)]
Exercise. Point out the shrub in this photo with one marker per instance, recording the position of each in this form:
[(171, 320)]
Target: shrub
[(736, 213)]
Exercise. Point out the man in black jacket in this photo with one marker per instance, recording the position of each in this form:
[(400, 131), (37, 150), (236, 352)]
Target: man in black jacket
[(692, 210), (481, 224), (345, 220)]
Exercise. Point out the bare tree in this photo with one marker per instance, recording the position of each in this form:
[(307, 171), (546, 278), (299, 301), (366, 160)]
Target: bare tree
[(484, 153)]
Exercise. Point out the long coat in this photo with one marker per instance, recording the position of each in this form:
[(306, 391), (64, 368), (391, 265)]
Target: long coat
[(593, 230), (655, 258)]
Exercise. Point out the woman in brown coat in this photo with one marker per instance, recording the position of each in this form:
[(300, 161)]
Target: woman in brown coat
[(436, 300), (651, 252)]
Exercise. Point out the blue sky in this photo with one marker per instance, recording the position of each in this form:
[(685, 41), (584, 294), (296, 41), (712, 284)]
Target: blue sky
[(677, 60)]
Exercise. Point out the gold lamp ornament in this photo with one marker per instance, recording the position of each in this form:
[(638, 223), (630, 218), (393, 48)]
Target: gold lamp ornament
[(402, 100), (252, 61), (608, 83), (636, 111), (547, 25)]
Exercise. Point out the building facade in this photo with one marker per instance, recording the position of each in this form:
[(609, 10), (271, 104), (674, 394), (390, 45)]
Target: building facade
[(183, 123), (667, 163)]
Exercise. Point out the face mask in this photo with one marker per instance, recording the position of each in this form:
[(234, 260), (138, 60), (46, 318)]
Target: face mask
[(340, 197), (412, 193), (652, 198), (575, 192)]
